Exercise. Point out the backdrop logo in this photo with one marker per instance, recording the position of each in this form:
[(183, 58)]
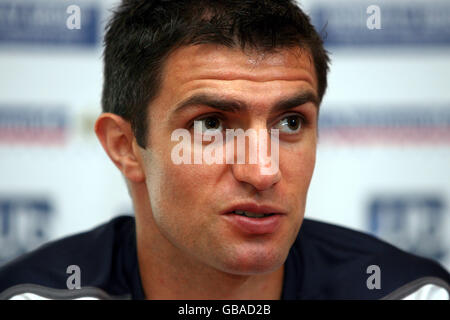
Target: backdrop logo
[(415, 223), (41, 22), (24, 225), (396, 23), (32, 125), (392, 125)]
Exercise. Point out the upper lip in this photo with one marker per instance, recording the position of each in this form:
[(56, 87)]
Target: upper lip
[(254, 207)]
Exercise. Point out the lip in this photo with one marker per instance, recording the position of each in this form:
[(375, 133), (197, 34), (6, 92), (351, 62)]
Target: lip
[(255, 226), (254, 207)]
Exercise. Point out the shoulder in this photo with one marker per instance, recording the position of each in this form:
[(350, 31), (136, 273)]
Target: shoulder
[(95, 255), (340, 263)]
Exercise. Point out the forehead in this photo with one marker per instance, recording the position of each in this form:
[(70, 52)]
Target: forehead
[(258, 78), (215, 61)]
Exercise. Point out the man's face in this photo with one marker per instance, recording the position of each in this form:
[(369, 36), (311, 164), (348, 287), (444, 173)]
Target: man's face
[(192, 204)]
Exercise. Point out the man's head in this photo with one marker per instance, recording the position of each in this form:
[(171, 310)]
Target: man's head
[(230, 65)]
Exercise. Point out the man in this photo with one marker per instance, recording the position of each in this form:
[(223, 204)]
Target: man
[(222, 229)]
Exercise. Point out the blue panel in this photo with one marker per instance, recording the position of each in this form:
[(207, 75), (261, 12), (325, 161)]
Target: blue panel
[(415, 24), (24, 224), (43, 23), (412, 222)]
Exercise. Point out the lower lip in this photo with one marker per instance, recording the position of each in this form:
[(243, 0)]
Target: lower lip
[(255, 226)]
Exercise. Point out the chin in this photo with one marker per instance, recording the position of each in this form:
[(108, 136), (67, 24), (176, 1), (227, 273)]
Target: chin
[(254, 262)]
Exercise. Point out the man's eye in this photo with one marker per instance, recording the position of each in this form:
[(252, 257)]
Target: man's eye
[(290, 124), (211, 124)]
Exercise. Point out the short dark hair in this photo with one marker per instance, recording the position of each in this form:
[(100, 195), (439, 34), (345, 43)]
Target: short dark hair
[(142, 33)]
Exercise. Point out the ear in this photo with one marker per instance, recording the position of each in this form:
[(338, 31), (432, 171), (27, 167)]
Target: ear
[(118, 140)]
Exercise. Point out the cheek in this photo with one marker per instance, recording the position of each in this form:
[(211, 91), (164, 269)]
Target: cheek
[(170, 194), (297, 165), (168, 185), (178, 188), (180, 198)]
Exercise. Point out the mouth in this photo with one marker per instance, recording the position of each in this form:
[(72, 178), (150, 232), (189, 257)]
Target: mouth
[(250, 214), (254, 210), (254, 219)]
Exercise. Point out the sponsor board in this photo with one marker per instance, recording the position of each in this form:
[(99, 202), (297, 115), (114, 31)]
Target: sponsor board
[(58, 23), (24, 225), (417, 126), (382, 23), (415, 223), (33, 125)]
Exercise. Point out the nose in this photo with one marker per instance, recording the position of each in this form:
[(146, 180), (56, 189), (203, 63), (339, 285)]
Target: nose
[(252, 174), (263, 173)]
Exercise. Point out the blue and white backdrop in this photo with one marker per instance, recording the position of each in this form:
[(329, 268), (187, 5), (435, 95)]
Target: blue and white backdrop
[(383, 163)]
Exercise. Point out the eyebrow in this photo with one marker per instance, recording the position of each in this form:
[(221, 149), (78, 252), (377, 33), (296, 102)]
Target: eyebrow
[(234, 105)]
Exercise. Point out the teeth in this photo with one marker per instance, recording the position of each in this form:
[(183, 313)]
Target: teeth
[(251, 214)]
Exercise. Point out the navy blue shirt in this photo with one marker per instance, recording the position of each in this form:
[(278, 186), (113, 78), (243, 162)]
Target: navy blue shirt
[(325, 262)]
